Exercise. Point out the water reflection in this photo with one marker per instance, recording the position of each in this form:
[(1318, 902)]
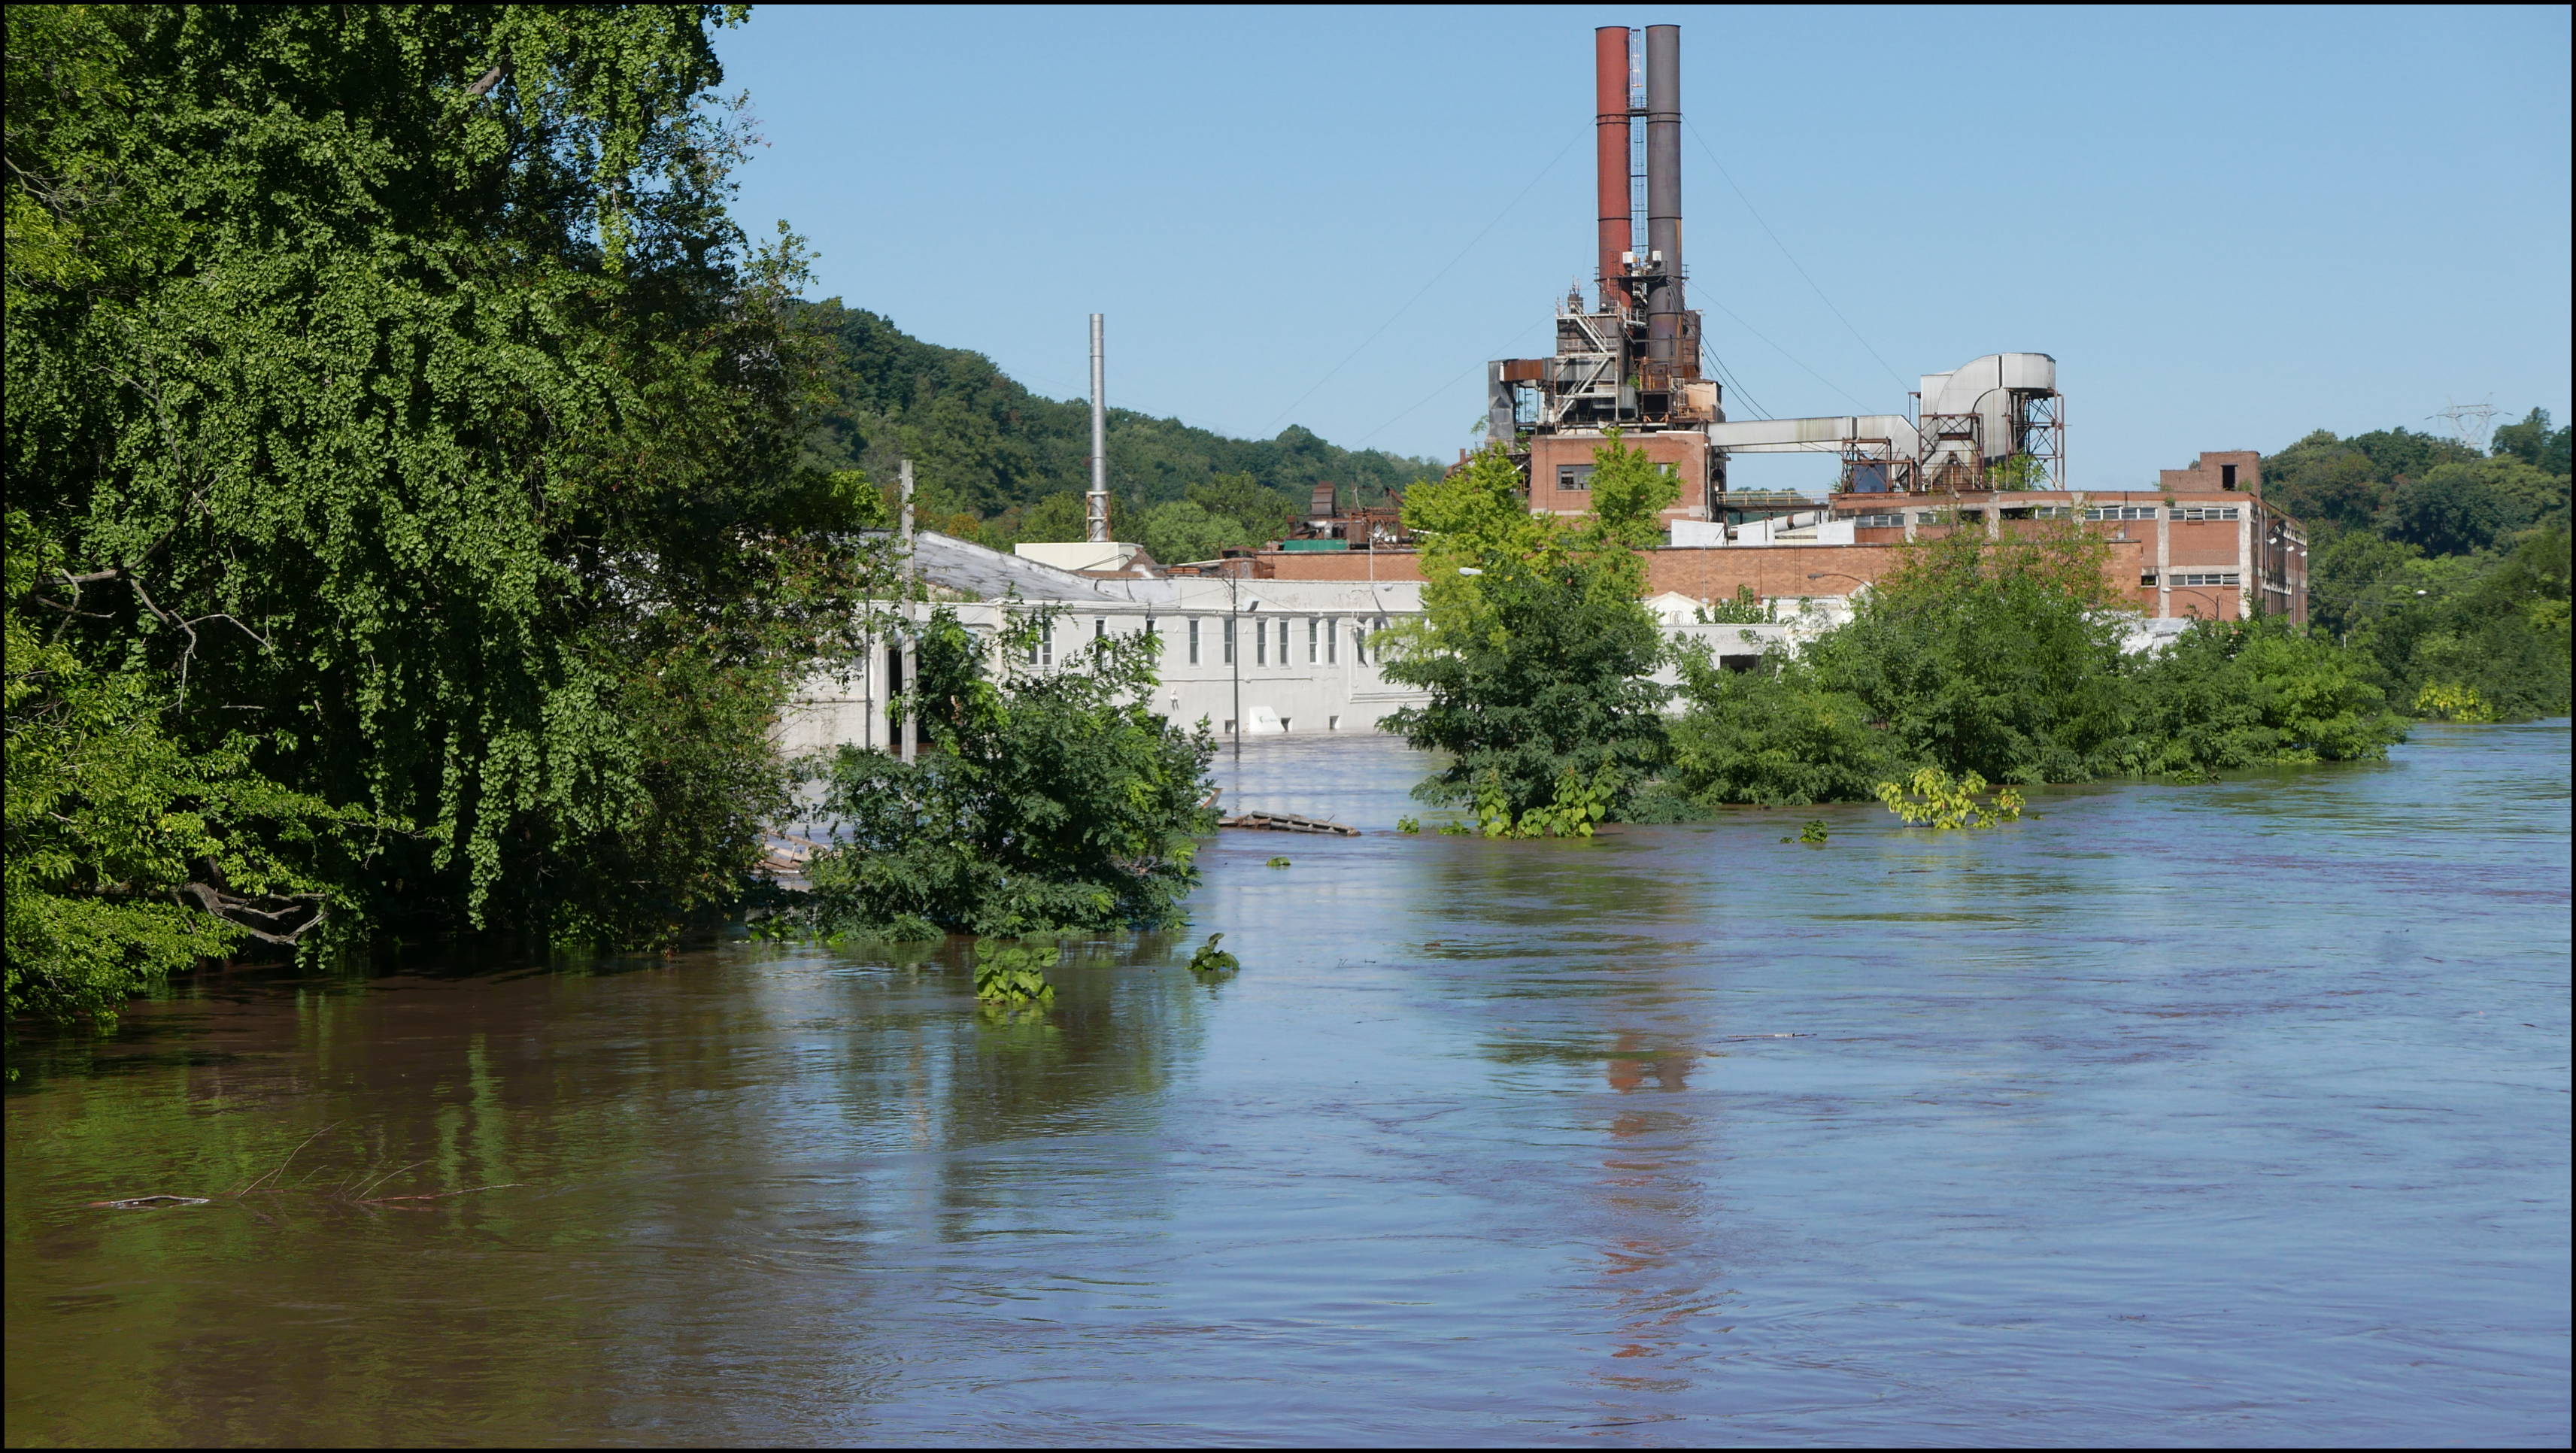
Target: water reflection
[(1674, 1136)]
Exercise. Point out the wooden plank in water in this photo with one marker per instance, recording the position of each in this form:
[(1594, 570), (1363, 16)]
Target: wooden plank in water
[(1287, 822)]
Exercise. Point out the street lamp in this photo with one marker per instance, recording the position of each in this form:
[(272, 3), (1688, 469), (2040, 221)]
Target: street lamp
[(2214, 603)]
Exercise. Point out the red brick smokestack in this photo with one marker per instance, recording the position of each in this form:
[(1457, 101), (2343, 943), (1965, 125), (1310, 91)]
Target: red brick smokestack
[(1610, 106)]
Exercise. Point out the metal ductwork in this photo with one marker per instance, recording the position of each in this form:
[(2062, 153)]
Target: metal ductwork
[(1610, 161), (1664, 194)]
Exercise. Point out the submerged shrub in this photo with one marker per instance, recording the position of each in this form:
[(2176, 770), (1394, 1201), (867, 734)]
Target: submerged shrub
[(1942, 801), (1043, 799), (2450, 701), (2232, 694), (1014, 973)]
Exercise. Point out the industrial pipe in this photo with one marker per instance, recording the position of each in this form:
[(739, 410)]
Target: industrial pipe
[(1610, 160), (1664, 192), (1095, 506)]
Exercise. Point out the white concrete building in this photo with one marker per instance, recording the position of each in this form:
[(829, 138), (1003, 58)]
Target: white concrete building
[(1293, 652)]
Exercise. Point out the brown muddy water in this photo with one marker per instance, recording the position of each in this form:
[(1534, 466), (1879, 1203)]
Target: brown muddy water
[(2228, 1114)]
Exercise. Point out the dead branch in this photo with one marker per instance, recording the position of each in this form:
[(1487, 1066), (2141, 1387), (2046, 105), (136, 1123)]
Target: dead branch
[(442, 1195), (290, 1156), (270, 917)]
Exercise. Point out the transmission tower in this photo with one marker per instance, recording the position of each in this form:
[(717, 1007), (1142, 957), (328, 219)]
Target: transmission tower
[(2469, 423)]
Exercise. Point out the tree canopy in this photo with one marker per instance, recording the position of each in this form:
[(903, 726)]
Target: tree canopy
[(992, 457), (2445, 569), (1534, 646), (406, 427)]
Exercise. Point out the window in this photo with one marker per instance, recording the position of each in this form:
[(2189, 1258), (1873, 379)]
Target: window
[(2120, 512), (1260, 643), (2050, 512), (1099, 627), (1229, 642), (1194, 640), (1576, 477), (2205, 512), (1359, 642), (1314, 640), (1283, 641), (2146, 577), (1042, 650), (2206, 577), (1879, 522), (2227, 476), (1332, 642)]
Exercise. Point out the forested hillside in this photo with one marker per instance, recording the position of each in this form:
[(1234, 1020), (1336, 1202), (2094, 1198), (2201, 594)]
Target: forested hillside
[(997, 463), (2448, 567)]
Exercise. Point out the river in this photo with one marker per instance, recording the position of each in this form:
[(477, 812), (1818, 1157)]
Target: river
[(2211, 1115)]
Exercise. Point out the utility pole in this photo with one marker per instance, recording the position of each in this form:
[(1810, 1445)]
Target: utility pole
[(1234, 612), (1095, 506), (911, 646)]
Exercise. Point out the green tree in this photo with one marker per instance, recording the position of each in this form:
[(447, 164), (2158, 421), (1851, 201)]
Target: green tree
[(1046, 798), (1058, 517), (1993, 656), (984, 445), (2254, 693), (2454, 509), (2402, 454), (1776, 738), (416, 416), (2534, 443), (131, 857), (1183, 530), (2325, 482), (1534, 646), (1263, 513)]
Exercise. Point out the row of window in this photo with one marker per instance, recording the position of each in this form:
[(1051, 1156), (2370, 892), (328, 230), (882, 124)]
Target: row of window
[(1578, 477), (1322, 639), (2059, 512), (2206, 577)]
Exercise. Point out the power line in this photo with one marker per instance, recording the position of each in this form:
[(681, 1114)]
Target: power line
[(1448, 384), (1711, 152), (1426, 287), (1785, 353), (1735, 386)]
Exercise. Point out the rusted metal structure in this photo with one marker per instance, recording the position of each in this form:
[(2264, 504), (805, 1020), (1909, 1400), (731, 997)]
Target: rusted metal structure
[(1632, 359)]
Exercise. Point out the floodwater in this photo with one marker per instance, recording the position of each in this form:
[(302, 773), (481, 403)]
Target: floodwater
[(2226, 1114)]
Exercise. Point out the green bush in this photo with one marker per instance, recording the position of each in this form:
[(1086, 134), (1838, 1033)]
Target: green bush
[(2254, 693), (1043, 798), (2001, 661)]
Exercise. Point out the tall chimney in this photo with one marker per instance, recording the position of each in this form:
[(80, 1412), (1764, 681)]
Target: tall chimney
[(1095, 506), (1664, 190), (1610, 158)]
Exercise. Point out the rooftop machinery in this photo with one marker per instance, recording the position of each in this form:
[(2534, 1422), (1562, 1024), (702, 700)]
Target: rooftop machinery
[(1633, 360)]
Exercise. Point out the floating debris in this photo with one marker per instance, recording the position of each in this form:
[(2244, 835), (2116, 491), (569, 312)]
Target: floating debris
[(1287, 822)]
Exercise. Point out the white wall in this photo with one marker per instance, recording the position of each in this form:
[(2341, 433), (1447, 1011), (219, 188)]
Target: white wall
[(1325, 681)]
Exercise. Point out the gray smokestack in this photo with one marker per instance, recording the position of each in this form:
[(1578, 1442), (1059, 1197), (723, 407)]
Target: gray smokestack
[(1664, 190)]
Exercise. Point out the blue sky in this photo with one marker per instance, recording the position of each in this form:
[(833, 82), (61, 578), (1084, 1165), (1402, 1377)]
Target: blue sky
[(2230, 226)]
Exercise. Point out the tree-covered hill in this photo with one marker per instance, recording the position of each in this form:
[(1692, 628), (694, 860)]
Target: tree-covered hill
[(1000, 463), (2450, 568)]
